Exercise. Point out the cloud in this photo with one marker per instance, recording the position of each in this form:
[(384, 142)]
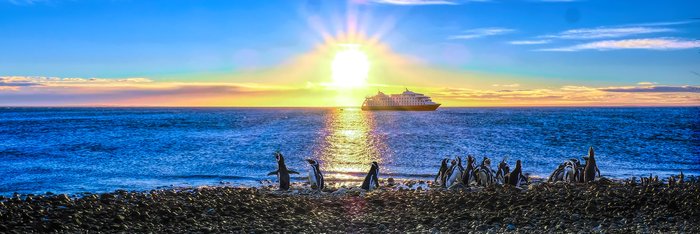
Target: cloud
[(506, 85), (558, 0), (573, 95), (26, 2), (530, 42), (25, 81), (647, 44), (416, 2), (606, 32), (481, 32), (654, 89), (646, 83)]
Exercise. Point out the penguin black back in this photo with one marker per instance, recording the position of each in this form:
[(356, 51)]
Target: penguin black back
[(591, 167), (372, 179), (515, 176)]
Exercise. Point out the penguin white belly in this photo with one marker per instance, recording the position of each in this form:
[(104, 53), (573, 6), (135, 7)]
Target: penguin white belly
[(453, 178), (312, 178), (568, 174)]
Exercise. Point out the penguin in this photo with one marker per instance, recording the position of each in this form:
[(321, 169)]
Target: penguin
[(441, 173), (681, 177), (455, 174), (516, 177), (557, 174), (282, 172), (589, 172), (469, 173), (315, 175), (484, 173), (503, 169), (372, 179), (448, 173)]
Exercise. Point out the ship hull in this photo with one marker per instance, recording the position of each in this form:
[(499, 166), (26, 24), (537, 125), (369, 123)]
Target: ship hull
[(401, 108)]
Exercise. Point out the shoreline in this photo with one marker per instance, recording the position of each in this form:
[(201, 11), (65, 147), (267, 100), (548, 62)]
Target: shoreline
[(404, 206)]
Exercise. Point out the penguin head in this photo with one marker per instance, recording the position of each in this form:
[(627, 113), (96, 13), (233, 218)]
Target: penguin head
[(591, 153), (518, 163), (470, 159), (486, 161), (444, 161), (375, 164), (311, 162), (279, 157)]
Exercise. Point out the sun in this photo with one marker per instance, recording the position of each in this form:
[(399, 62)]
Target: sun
[(350, 67)]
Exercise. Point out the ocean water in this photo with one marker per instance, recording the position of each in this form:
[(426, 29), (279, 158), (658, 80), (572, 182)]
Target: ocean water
[(72, 150)]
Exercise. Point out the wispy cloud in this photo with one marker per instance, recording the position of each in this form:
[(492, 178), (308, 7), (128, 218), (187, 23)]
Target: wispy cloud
[(558, 0), (417, 2), (646, 44), (481, 32), (654, 89), (25, 2), (530, 42), (606, 32), (573, 95), (506, 85)]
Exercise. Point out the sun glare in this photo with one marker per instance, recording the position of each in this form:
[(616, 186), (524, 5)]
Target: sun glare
[(350, 67)]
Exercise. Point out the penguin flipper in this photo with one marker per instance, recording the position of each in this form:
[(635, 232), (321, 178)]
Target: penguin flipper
[(293, 172), (272, 173)]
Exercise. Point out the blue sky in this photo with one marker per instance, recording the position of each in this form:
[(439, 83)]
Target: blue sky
[(586, 43)]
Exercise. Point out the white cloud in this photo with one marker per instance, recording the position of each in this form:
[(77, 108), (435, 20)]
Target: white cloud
[(605, 32), (506, 85), (26, 2), (646, 83), (558, 0), (530, 42), (647, 44), (417, 2), (481, 32)]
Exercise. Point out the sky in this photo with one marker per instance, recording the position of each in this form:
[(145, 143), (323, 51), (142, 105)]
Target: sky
[(272, 53)]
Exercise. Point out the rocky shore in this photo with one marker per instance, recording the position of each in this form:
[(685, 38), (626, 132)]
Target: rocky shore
[(405, 207)]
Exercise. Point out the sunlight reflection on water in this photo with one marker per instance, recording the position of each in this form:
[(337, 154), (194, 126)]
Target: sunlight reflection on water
[(349, 145)]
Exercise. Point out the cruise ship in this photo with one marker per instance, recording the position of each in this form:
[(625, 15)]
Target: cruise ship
[(406, 101)]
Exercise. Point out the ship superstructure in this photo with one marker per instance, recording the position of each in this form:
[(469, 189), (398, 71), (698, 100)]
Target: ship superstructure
[(407, 101)]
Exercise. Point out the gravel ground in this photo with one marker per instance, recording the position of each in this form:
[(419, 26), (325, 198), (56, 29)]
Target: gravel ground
[(597, 207)]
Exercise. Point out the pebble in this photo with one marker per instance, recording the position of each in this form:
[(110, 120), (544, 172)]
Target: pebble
[(551, 208)]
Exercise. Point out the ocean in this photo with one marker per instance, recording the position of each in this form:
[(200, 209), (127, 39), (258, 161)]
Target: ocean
[(74, 150)]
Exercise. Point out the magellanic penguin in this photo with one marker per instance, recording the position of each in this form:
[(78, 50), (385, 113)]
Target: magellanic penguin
[(315, 176), (557, 174), (591, 168), (282, 172), (440, 178), (503, 169), (469, 174), (485, 174), (372, 179), (455, 174), (516, 177)]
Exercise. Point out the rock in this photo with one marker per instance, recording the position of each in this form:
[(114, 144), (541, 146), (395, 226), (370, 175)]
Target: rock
[(510, 227)]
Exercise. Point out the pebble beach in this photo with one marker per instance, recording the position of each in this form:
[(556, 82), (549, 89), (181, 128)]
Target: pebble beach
[(407, 206)]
